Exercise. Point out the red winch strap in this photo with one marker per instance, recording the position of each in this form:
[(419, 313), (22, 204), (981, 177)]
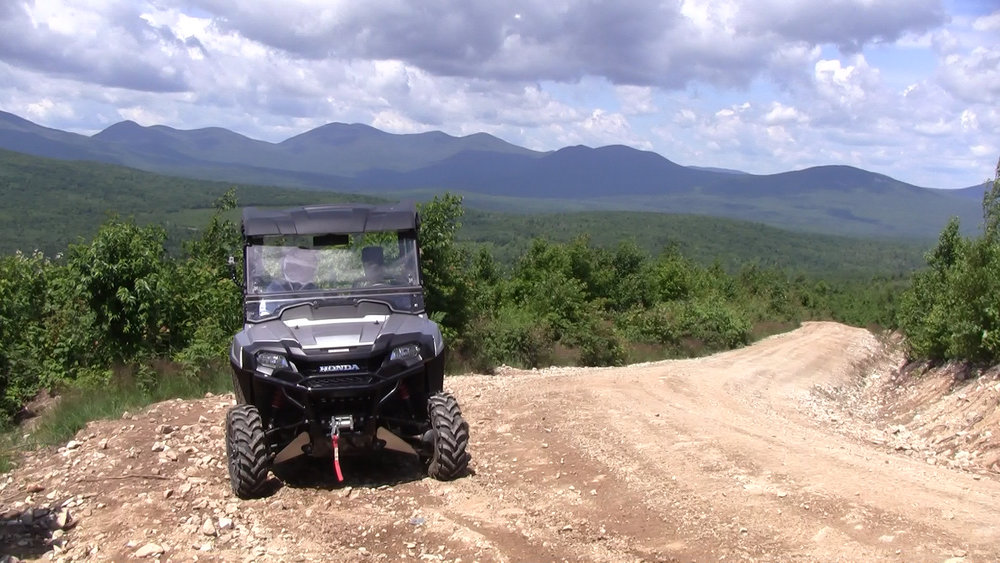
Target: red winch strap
[(336, 458)]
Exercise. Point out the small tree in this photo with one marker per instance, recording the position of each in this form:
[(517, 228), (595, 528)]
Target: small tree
[(123, 276), (950, 310), (445, 265), (207, 302), (23, 280)]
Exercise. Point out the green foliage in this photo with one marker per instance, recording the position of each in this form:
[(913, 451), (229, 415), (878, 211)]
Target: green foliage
[(701, 239), (122, 304), (49, 204), (719, 326), (444, 263), (603, 306), (601, 344), (510, 335), (991, 210), (119, 302), (696, 325), (950, 311), (208, 304), (123, 278), (23, 280)]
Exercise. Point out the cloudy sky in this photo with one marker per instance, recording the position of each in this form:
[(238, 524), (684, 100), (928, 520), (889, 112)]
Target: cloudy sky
[(908, 88)]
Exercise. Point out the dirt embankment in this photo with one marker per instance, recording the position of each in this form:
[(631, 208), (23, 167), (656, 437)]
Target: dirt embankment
[(799, 448)]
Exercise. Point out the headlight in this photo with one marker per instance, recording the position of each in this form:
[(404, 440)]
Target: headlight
[(271, 360), (406, 352)]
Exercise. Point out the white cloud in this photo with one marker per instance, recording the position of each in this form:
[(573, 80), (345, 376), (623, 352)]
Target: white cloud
[(394, 122), (988, 23), (685, 117), (983, 150), (973, 77), (778, 135), (845, 85), (782, 114), (46, 110), (969, 120), (603, 123), (636, 100), (146, 116)]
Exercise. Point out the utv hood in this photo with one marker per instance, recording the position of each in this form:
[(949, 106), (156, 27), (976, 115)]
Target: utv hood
[(335, 334)]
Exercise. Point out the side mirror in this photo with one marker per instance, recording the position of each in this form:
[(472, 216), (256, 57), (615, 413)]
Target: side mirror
[(233, 274)]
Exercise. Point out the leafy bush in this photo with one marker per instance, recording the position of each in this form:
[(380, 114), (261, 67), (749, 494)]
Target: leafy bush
[(950, 311), (123, 278), (116, 303), (512, 335), (601, 345), (719, 326), (445, 265), (23, 280)]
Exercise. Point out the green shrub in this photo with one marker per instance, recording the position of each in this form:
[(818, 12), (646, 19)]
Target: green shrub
[(118, 300), (950, 310), (601, 345), (514, 336), (660, 324), (449, 289), (23, 281), (719, 326)]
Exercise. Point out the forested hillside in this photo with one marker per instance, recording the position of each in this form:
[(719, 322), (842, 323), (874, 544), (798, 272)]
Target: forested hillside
[(705, 240), (51, 203), (48, 204)]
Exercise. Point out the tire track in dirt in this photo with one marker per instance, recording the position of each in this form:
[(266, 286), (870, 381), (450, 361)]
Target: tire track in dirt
[(695, 460)]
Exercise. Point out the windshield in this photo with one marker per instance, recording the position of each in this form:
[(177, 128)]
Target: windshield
[(320, 263)]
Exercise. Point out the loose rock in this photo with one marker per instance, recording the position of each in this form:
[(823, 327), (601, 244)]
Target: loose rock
[(208, 527), (148, 550)]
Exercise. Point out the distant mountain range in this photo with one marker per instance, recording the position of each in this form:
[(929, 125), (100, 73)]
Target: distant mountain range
[(494, 174)]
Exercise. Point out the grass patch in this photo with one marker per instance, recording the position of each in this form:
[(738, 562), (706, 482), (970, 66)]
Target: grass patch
[(79, 405), (8, 451)]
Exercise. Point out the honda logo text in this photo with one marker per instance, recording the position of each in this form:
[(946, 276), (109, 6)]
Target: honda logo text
[(339, 367)]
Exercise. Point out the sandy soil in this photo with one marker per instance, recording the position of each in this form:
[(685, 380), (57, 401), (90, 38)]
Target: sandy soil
[(793, 449)]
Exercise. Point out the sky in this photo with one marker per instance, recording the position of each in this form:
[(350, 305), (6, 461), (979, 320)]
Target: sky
[(907, 88)]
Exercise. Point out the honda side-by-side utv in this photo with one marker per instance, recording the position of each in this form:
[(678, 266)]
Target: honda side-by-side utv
[(337, 351)]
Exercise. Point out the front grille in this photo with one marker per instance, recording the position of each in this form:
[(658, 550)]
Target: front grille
[(335, 367), (359, 405), (339, 373), (335, 381)]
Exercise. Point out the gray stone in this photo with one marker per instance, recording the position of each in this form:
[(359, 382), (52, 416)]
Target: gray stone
[(148, 550), (208, 527)]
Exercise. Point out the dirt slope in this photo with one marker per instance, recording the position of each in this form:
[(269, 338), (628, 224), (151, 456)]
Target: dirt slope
[(782, 451)]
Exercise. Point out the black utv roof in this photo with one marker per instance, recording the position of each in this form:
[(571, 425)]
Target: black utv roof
[(331, 218)]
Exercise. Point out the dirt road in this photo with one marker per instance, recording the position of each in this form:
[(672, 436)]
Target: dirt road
[(714, 459)]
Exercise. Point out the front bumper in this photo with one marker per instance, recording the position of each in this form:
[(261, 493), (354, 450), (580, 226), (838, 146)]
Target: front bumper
[(297, 399)]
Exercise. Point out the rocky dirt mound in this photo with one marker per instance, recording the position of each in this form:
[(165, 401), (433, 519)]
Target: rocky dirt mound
[(940, 414)]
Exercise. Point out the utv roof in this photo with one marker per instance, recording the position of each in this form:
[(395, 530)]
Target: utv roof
[(331, 218)]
